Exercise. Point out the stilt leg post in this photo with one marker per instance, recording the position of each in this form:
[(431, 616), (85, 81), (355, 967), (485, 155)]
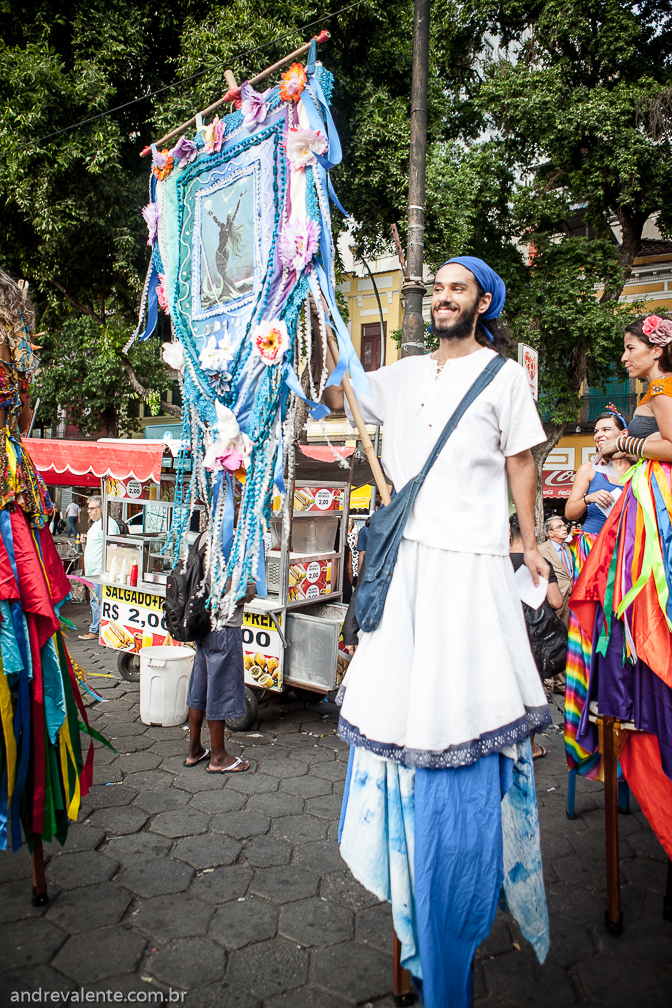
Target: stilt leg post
[(40, 895), (609, 730), (401, 978)]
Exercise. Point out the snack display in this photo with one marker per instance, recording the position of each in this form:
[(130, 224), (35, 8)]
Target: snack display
[(318, 498), (312, 578)]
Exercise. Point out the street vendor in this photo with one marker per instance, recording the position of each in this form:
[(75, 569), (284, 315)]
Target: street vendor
[(94, 561), (450, 657)]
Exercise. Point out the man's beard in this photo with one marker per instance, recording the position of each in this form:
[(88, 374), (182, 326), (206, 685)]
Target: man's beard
[(463, 326)]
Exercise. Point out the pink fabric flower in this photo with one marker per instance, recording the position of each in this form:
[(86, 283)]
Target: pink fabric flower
[(253, 106), (161, 295), (213, 135), (302, 144), (184, 152), (298, 244), (151, 213), (657, 329)]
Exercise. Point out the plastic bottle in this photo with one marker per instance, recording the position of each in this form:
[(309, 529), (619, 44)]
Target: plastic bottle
[(123, 573), (133, 580), (114, 568)]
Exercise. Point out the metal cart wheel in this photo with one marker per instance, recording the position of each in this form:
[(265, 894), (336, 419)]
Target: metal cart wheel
[(247, 719), (128, 666)]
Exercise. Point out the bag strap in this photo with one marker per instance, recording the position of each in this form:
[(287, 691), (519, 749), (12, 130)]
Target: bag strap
[(481, 382)]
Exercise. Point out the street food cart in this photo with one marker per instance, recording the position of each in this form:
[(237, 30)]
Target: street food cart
[(291, 638)]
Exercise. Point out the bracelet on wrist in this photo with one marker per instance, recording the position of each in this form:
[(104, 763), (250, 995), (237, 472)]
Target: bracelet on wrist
[(631, 445)]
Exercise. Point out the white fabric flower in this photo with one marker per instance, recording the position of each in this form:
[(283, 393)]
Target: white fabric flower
[(173, 355)]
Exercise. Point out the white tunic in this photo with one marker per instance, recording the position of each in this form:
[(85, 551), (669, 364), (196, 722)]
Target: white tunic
[(448, 676)]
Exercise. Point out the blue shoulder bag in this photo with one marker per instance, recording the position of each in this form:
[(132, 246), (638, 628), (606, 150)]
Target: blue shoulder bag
[(387, 524)]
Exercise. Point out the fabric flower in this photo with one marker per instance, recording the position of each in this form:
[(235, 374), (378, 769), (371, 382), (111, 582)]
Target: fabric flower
[(161, 295), (302, 144), (292, 82), (151, 213), (162, 164), (253, 106), (213, 135), (271, 340), (215, 356), (184, 152), (298, 244), (227, 425), (232, 448), (173, 355), (658, 330)]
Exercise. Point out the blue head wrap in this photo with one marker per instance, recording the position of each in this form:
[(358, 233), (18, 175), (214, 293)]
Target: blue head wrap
[(489, 281)]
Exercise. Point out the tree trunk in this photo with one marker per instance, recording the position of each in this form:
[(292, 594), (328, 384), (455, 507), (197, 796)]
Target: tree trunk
[(540, 453), (632, 224)]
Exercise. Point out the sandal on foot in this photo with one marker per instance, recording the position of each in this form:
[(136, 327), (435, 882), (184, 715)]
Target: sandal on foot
[(235, 767), (88, 636), (199, 760), (540, 755)]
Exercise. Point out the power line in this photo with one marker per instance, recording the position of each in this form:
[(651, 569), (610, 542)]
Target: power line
[(183, 80)]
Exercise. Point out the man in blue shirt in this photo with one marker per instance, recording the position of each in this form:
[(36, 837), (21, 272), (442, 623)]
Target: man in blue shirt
[(559, 557)]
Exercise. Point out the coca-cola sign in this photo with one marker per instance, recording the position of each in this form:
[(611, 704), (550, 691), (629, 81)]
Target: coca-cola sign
[(558, 482)]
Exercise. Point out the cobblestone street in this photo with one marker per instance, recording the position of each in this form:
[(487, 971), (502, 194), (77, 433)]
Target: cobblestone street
[(232, 888)]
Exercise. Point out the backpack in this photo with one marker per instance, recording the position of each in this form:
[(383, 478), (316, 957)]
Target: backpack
[(548, 639), (187, 617)]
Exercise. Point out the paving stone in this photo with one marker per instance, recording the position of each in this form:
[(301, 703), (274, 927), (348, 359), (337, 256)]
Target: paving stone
[(253, 783), (32, 978), (213, 802), (320, 856), (80, 838), (110, 797), (326, 806), (119, 821), (131, 744), (331, 771), (120, 732), (282, 768), (352, 971), (646, 845), (223, 884), (499, 940), (160, 734), (198, 780), (374, 927), (137, 847), (240, 922), (155, 877), (264, 852), (148, 780), (269, 968), (163, 800), (26, 942), (177, 915), (284, 884), (298, 741), (70, 871), (170, 747), (299, 829), (575, 903), (645, 874), (241, 824), (311, 997), (582, 871), (15, 901), (341, 887), (188, 962), (277, 803), (315, 921), (180, 822), (15, 866), (103, 952), (570, 942), (207, 851), (103, 755), (128, 983), (134, 762), (89, 907), (109, 774), (517, 977), (220, 995)]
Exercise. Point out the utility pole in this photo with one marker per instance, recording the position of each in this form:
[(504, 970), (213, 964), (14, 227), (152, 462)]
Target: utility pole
[(413, 330)]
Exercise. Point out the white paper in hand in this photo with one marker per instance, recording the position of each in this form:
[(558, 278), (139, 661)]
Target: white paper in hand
[(533, 596), (615, 494)]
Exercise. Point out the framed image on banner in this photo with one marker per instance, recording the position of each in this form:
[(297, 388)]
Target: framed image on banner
[(529, 359)]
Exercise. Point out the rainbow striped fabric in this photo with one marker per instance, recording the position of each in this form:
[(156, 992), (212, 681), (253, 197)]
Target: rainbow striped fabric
[(579, 650)]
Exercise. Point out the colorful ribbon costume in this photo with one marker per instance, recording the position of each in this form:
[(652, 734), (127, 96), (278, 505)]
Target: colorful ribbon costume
[(43, 770)]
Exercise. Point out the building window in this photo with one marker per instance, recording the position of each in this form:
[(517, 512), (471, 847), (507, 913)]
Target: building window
[(370, 352)]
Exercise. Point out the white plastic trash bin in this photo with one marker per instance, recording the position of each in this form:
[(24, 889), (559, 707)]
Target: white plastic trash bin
[(164, 680)]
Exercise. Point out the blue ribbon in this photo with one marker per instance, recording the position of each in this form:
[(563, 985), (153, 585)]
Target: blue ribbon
[(152, 307), (317, 410), (347, 358), (227, 519)]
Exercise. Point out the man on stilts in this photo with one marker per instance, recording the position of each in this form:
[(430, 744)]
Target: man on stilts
[(439, 810)]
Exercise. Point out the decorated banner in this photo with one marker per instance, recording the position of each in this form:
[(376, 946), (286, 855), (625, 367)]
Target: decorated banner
[(242, 261)]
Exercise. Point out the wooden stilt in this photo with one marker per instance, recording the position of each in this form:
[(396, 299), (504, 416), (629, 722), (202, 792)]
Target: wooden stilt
[(609, 746), (40, 895), (401, 978)]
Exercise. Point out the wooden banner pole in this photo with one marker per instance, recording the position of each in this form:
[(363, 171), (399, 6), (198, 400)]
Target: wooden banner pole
[(234, 92)]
